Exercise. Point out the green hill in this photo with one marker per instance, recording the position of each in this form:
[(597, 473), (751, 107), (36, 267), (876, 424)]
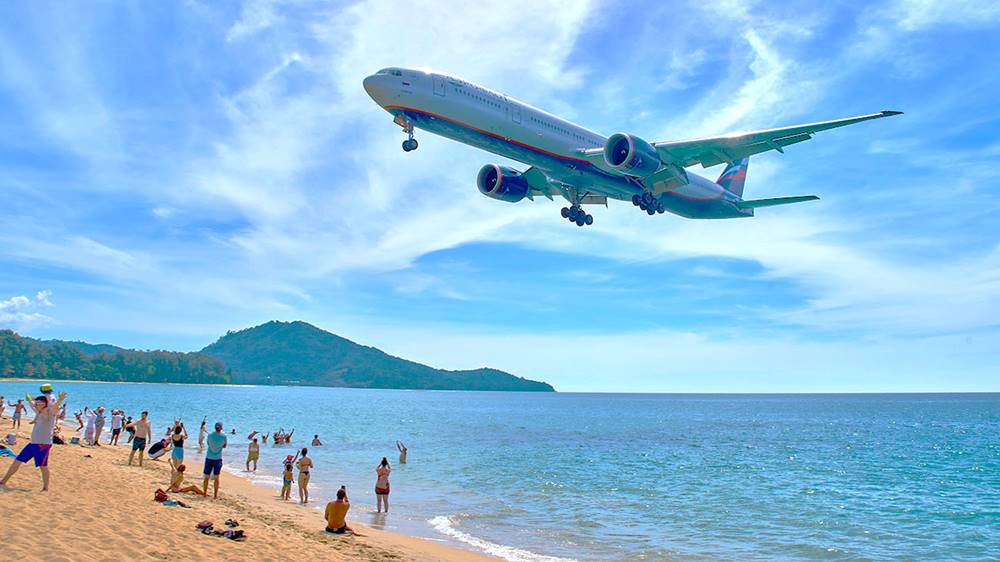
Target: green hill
[(300, 353)]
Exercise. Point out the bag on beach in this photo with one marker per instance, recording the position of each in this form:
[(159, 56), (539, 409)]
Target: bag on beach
[(11, 439), (159, 495)]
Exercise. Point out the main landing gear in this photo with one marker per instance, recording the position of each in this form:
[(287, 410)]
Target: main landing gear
[(410, 143), (576, 214), (648, 203)]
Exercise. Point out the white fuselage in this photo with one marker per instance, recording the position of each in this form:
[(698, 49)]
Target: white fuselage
[(474, 115)]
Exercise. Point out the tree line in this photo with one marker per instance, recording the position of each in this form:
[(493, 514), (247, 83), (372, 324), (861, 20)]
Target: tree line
[(34, 359)]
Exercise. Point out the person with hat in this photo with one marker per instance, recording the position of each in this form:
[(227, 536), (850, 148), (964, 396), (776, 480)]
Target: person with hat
[(37, 449), (215, 442)]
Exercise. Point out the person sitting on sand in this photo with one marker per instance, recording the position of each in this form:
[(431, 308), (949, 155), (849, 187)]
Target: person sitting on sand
[(336, 514), (177, 440), (178, 479), (253, 454), (382, 485), (215, 442), (316, 442), (143, 433), (305, 465), (402, 452), (37, 449), (57, 438), (287, 477)]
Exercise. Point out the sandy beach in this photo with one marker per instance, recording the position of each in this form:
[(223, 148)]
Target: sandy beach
[(99, 508)]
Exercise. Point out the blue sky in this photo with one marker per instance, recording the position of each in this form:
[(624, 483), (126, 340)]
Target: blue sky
[(174, 170)]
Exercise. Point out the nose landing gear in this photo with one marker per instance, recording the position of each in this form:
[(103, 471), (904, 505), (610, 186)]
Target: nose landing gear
[(576, 214), (410, 143)]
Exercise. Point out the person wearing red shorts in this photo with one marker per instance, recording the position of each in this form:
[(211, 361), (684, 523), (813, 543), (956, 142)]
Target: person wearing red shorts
[(46, 416)]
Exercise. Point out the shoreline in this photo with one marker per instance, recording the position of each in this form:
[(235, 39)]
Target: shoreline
[(98, 506)]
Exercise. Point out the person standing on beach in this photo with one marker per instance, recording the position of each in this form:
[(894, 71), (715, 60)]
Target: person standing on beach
[(130, 429), (201, 434), (287, 476), (177, 440), (253, 454), (116, 426), (305, 465), (3, 405), (143, 433), (402, 452), (98, 425), (15, 418), (88, 433), (382, 485), (37, 449), (216, 442)]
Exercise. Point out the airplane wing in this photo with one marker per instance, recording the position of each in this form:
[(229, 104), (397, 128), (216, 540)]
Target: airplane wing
[(729, 148), (541, 185)]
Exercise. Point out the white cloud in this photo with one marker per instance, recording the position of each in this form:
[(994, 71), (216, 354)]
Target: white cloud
[(20, 312)]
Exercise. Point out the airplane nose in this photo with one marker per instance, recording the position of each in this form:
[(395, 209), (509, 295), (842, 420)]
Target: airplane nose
[(371, 86)]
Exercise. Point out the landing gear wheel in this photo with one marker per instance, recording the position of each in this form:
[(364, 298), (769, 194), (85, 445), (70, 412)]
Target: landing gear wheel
[(580, 221), (589, 220), (564, 212), (660, 209), (650, 212), (636, 200), (642, 206), (647, 198), (406, 146)]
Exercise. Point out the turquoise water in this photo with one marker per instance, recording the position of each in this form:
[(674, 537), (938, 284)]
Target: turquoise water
[(626, 477)]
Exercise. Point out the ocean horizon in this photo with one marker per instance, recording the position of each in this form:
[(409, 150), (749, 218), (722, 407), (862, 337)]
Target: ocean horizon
[(625, 476)]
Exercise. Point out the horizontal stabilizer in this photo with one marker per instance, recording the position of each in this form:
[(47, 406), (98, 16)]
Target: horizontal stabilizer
[(755, 203)]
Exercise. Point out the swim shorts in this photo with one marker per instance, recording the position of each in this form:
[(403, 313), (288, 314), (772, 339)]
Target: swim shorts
[(212, 466), (138, 444), (382, 491), (253, 456), (36, 451)]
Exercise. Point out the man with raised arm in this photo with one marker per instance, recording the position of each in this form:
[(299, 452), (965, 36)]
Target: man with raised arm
[(46, 416)]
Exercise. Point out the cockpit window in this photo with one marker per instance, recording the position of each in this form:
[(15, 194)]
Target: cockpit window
[(391, 71)]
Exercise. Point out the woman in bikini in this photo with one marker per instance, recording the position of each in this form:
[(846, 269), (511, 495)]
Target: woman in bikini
[(382, 485), (177, 440), (305, 465)]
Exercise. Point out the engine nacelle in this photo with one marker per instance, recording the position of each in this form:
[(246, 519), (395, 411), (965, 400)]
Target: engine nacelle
[(503, 183), (631, 155)]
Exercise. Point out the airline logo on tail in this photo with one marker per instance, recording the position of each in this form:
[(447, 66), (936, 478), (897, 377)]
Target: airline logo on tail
[(733, 176)]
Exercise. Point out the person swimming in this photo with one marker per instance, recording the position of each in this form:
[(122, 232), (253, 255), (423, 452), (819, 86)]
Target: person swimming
[(402, 452), (316, 442)]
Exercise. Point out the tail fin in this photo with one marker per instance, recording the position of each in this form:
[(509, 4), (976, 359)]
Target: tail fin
[(733, 176)]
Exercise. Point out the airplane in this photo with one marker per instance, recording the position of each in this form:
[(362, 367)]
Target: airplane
[(582, 166)]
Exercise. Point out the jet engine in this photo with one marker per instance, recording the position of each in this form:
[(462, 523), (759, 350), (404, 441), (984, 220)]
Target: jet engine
[(503, 183), (631, 155)]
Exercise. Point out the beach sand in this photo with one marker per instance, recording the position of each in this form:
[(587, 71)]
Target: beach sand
[(99, 508)]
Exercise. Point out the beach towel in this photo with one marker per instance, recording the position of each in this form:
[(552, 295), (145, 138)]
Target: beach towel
[(7, 453)]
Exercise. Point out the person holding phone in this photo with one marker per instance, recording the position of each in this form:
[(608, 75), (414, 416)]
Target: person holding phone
[(336, 514)]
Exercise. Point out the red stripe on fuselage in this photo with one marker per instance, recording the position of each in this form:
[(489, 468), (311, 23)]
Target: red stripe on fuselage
[(494, 135)]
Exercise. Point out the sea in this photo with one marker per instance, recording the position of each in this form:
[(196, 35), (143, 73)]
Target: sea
[(579, 476)]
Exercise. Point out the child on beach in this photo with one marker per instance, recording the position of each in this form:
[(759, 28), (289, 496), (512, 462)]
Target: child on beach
[(37, 449), (287, 477)]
